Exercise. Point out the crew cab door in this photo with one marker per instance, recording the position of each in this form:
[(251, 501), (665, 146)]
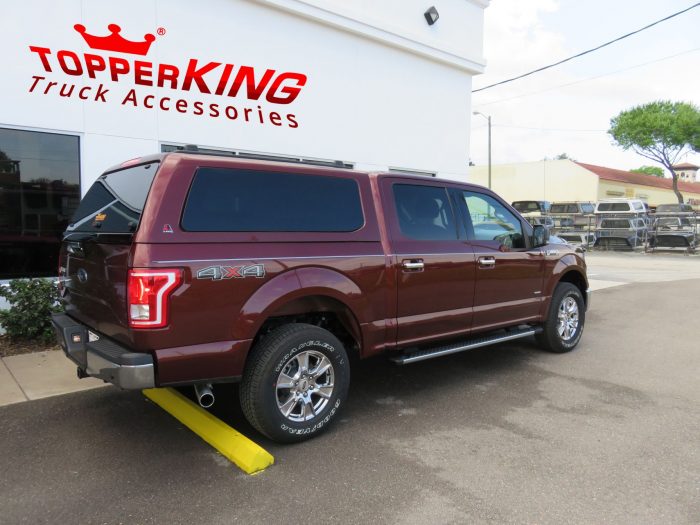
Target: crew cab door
[(509, 273), (433, 262)]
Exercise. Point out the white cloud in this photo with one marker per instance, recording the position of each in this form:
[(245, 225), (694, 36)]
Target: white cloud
[(521, 35)]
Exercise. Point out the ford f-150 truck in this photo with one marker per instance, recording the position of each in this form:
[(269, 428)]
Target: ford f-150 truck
[(193, 269)]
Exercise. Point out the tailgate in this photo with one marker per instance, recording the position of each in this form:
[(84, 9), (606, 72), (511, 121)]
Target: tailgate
[(94, 271)]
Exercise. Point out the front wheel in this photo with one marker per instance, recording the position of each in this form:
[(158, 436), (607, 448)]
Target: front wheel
[(564, 325), (295, 382)]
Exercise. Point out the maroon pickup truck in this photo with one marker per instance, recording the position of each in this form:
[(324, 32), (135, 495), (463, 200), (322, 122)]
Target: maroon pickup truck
[(195, 269)]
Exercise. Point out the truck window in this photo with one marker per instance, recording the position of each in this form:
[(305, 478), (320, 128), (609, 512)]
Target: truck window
[(613, 206), (232, 200), (424, 212), (114, 203), (491, 221)]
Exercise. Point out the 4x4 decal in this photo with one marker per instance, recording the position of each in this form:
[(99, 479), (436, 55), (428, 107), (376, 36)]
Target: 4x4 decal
[(217, 273)]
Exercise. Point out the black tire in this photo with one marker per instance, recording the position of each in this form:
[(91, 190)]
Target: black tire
[(284, 350), (550, 339)]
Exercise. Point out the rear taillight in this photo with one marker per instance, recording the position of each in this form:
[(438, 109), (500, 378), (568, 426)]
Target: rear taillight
[(148, 292)]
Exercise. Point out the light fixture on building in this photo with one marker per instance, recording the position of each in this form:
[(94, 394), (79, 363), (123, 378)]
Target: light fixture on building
[(431, 15)]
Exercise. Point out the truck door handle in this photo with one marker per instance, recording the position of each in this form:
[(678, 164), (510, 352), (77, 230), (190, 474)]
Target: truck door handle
[(487, 262), (413, 264)]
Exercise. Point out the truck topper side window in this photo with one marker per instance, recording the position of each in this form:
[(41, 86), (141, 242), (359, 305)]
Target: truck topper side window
[(424, 212), (242, 200), (491, 221)]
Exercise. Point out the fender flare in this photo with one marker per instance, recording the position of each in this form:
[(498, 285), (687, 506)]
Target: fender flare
[(296, 284), (564, 266)]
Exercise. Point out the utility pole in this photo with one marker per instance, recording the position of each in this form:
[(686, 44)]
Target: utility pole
[(488, 119)]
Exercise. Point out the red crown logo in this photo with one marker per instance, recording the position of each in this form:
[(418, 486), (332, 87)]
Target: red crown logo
[(116, 42)]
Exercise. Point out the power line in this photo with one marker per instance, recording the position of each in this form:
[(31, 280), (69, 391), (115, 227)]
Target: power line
[(586, 79), (551, 129), (588, 50), (574, 130)]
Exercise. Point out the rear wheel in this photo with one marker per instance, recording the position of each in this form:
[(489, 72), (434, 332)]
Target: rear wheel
[(564, 326), (295, 382)]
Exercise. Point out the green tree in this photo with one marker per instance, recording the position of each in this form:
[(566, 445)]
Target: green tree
[(563, 156), (654, 171), (662, 131)]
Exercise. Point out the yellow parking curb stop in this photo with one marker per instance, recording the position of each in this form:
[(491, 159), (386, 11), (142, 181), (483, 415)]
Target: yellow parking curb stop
[(246, 454)]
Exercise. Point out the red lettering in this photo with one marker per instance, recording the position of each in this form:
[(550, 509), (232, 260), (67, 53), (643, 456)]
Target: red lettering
[(118, 66), (247, 73), (36, 81), (67, 90), (292, 121), (146, 102), (291, 92), (235, 113), (231, 271), (130, 97), (275, 118), (142, 73), (49, 86), (162, 103), (181, 106), (197, 74), (76, 69), (94, 63), (214, 110), (224, 79), (82, 92), (166, 72), (246, 112), (42, 52), (198, 110), (101, 92)]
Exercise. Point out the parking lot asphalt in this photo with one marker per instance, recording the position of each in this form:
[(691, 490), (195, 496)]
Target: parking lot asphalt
[(510, 434)]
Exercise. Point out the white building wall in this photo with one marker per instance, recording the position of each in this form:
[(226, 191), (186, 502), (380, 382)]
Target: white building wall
[(384, 88), (550, 180)]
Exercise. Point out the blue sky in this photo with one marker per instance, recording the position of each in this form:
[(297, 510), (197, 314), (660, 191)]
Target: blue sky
[(524, 34)]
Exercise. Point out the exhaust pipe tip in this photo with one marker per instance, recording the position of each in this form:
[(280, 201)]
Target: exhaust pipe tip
[(205, 395)]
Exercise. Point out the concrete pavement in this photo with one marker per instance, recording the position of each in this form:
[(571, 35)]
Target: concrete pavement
[(42, 374), (605, 434)]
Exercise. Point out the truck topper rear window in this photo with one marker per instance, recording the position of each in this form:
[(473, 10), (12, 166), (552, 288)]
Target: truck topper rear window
[(114, 203), (230, 200)]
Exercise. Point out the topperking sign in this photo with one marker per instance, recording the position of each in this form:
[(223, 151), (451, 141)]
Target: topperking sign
[(115, 60)]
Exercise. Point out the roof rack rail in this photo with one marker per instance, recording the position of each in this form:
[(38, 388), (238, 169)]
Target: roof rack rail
[(193, 148)]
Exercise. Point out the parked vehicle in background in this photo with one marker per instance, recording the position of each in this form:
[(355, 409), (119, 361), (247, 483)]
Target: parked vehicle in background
[(621, 232), (674, 208), (574, 221), (633, 206), (675, 226), (531, 206), (535, 212), (572, 208), (194, 269), (584, 239)]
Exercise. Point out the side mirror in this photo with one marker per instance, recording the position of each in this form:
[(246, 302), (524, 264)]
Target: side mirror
[(540, 235)]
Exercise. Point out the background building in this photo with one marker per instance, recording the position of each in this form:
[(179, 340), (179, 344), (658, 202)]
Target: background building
[(687, 172), (567, 180), (90, 84)]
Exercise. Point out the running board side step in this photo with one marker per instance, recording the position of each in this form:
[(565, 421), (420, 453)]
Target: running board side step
[(462, 346)]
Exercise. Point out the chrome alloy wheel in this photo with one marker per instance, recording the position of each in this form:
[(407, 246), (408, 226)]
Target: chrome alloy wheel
[(568, 321), (304, 386)]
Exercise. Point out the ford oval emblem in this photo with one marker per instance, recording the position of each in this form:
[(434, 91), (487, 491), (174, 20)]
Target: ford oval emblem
[(82, 275)]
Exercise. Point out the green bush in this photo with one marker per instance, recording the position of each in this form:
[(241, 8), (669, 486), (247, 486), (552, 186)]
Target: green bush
[(32, 301)]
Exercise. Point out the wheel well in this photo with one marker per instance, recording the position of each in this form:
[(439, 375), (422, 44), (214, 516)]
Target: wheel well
[(577, 279), (322, 311)]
